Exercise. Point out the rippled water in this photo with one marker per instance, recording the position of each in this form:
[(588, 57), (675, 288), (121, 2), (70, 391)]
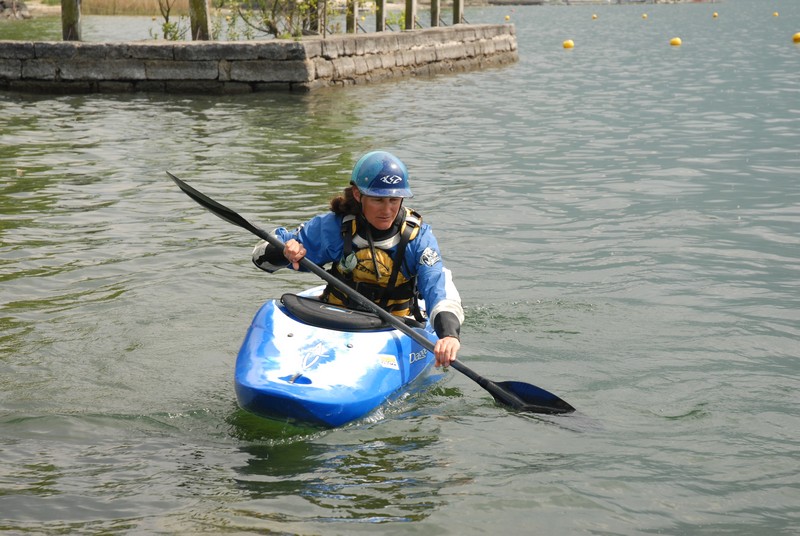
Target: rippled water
[(622, 220)]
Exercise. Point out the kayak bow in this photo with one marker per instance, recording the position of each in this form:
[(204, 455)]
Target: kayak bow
[(305, 360)]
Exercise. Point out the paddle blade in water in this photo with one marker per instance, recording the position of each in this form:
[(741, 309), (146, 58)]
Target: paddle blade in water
[(535, 399)]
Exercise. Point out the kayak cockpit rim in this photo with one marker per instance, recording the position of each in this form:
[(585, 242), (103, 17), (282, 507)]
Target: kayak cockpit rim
[(314, 312)]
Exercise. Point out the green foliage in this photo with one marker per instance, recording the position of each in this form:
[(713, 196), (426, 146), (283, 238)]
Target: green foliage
[(170, 30), (217, 24), (281, 18), (234, 20), (396, 19)]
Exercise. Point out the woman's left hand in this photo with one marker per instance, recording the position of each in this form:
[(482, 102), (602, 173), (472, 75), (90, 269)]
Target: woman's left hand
[(446, 350)]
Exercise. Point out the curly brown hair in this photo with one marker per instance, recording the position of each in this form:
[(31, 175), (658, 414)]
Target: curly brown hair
[(346, 203)]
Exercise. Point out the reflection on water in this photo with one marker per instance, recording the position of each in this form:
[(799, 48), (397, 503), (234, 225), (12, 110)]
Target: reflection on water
[(380, 480)]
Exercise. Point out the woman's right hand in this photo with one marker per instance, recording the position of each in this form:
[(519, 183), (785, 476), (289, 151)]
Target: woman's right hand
[(294, 251)]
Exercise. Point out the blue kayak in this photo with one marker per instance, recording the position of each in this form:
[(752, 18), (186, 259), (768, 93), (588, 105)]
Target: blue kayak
[(308, 361)]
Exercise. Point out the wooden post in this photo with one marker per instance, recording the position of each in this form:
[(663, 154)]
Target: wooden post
[(352, 16), (411, 14), (324, 18), (435, 13), (71, 20), (458, 11), (380, 16), (199, 21)]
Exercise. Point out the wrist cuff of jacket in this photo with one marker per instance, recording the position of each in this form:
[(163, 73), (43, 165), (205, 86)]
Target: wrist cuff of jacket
[(446, 324), (271, 260)]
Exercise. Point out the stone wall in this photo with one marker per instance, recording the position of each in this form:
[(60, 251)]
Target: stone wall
[(248, 66)]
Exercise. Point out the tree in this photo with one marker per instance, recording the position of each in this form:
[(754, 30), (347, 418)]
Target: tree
[(199, 20), (71, 20)]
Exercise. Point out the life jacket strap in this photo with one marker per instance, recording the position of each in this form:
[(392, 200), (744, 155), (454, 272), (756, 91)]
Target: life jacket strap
[(409, 230), (399, 300)]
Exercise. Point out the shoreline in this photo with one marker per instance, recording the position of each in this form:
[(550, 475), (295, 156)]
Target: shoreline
[(209, 67), (37, 8), (41, 9)]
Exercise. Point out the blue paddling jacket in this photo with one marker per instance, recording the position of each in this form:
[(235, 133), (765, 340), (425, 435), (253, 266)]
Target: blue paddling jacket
[(391, 268)]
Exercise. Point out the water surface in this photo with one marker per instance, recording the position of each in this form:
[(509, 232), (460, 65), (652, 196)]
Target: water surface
[(622, 221)]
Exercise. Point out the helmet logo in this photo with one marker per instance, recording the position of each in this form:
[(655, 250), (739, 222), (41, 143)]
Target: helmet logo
[(391, 179)]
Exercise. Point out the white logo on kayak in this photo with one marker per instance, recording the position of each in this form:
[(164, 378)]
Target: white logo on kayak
[(313, 356), (417, 356), (309, 359)]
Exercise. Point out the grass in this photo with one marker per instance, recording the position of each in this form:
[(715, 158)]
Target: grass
[(129, 7)]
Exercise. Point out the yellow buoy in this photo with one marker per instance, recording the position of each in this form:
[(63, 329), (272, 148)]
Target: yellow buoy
[(569, 43), (508, 18), (594, 16), (675, 41), (715, 15), (796, 37), (644, 15), (775, 14)]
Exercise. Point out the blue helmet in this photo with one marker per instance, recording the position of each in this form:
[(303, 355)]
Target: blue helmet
[(381, 174)]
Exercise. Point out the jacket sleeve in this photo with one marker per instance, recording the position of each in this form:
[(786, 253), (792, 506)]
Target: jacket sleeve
[(321, 236), (446, 324), (435, 284), (268, 257)]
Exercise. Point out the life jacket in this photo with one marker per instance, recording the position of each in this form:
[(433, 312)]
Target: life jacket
[(369, 268)]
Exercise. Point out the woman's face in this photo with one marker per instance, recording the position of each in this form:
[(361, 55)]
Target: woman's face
[(380, 212)]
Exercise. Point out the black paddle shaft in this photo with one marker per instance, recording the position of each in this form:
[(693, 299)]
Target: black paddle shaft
[(518, 395)]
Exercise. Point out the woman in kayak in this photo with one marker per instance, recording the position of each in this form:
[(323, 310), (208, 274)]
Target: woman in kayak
[(380, 248)]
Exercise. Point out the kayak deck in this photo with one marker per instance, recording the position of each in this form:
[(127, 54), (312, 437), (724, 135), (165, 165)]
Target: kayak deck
[(336, 370)]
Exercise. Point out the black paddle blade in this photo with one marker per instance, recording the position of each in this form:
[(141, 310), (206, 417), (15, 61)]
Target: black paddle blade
[(218, 209), (527, 397), (517, 395)]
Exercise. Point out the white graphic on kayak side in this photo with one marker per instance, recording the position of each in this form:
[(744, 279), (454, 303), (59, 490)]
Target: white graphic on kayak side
[(339, 360)]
